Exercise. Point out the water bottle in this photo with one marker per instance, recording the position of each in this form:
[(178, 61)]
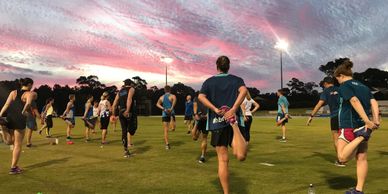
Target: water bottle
[(311, 189)]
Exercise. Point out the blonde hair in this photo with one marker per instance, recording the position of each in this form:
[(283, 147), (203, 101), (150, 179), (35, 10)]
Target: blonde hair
[(104, 95), (248, 96)]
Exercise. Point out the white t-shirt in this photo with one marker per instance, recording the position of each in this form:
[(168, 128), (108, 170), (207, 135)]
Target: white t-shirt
[(104, 111), (248, 106), (95, 111)]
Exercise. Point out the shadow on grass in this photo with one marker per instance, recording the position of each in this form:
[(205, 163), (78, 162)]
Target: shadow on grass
[(327, 157), (383, 153), (141, 142), (177, 143), (236, 184), (47, 163), (142, 150), (339, 182)]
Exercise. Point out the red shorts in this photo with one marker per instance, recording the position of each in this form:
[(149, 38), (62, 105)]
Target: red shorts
[(346, 134)]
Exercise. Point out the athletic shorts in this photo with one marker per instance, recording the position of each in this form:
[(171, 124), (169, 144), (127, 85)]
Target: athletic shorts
[(334, 123), (166, 119), (224, 136), (49, 121), (201, 126), (104, 122), (70, 120), (92, 121), (31, 123), (188, 117), (173, 117), (280, 117), (128, 125), (348, 136)]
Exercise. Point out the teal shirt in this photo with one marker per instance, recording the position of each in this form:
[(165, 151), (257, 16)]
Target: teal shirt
[(282, 101), (348, 117)]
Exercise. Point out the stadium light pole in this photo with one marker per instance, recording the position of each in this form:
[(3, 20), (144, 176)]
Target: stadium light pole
[(282, 46), (166, 61)]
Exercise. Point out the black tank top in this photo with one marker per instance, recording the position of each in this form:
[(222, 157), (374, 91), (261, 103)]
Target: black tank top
[(123, 96), (17, 105)]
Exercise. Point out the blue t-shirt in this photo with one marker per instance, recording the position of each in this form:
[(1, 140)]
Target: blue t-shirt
[(283, 101), (348, 117), (189, 108), (222, 90), (167, 104), (331, 98)]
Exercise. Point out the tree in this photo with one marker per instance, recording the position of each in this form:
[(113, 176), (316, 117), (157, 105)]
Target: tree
[(330, 66), (90, 81)]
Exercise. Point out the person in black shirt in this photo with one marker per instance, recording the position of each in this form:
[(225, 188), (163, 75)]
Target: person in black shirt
[(218, 93), (16, 107), (127, 114), (200, 116)]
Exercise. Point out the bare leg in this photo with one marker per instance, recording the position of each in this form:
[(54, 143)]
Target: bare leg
[(195, 133), (284, 131), (19, 135), (362, 170), (29, 136), (129, 137), (239, 144), (165, 127), (68, 131), (223, 173), (103, 138), (204, 144), (347, 150), (8, 137), (335, 139)]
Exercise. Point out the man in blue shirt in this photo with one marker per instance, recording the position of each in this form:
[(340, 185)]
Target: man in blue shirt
[(329, 97), (166, 103), (216, 93), (189, 111), (282, 117)]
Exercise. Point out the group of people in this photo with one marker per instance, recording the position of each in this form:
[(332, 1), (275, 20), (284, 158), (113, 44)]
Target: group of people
[(223, 107)]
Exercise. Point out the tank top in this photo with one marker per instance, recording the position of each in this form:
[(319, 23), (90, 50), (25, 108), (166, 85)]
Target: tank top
[(104, 112), (50, 111), (16, 107), (167, 104), (89, 114), (70, 114), (123, 96)]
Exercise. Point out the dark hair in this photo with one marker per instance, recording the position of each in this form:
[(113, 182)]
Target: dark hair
[(26, 81), (89, 96), (128, 82), (167, 88), (223, 64), (282, 91), (49, 100), (345, 68)]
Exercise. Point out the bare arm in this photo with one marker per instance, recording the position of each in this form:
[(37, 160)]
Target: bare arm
[(29, 98), (173, 102), (256, 105), (68, 107), (115, 103), (242, 92), (159, 104), (356, 104), (10, 99), (375, 111), (317, 107), (208, 104), (129, 99)]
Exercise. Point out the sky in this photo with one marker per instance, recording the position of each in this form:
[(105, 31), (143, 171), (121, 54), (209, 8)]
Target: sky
[(56, 41)]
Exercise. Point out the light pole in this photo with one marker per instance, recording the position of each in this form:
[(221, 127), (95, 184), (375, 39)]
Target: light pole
[(166, 60), (282, 46)]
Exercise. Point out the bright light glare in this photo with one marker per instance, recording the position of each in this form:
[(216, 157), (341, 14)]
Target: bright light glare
[(281, 45), (166, 59)]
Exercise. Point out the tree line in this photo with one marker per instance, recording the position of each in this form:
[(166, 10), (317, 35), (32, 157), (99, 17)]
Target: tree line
[(299, 93)]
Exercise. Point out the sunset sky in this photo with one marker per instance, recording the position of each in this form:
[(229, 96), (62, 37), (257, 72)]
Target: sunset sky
[(56, 41)]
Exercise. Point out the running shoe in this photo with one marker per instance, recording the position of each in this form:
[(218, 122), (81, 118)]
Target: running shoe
[(127, 154), (15, 170), (340, 164), (363, 132), (168, 146), (40, 132), (283, 140), (188, 132), (29, 145), (353, 191), (202, 160)]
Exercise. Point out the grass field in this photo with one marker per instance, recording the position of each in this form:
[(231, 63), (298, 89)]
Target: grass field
[(306, 158)]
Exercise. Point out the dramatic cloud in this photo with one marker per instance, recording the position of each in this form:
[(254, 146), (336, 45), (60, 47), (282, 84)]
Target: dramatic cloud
[(56, 41)]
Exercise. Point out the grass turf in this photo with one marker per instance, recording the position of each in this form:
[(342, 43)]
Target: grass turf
[(306, 158)]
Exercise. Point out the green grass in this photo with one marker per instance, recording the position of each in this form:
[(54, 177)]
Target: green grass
[(87, 168)]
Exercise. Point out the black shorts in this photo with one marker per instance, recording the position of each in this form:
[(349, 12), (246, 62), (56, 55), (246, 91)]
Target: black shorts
[(92, 121), (49, 121), (201, 126), (166, 119), (224, 136), (248, 125), (128, 125), (334, 123), (16, 121), (280, 117), (104, 122), (188, 117)]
